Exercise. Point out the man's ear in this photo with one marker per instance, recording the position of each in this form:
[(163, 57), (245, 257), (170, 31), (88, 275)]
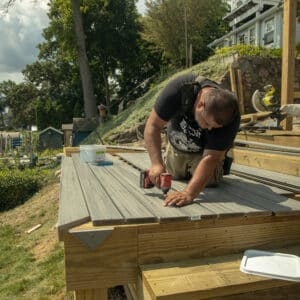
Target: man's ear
[(200, 103)]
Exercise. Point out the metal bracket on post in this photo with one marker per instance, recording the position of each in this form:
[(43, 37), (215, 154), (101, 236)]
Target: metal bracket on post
[(92, 238)]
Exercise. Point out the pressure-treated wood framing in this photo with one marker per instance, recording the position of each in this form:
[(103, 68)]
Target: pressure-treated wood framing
[(68, 151), (288, 56), (277, 162), (276, 137), (130, 227), (116, 260), (233, 80), (240, 91), (113, 263), (206, 278)]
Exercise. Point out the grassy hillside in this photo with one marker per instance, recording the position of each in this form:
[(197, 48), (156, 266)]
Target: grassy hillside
[(213, 68), (32, 265)]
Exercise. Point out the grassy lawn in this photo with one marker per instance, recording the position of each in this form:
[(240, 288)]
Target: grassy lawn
[(32, 265)]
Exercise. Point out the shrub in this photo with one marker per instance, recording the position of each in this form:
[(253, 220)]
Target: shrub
[(249, 50), (17, 186)]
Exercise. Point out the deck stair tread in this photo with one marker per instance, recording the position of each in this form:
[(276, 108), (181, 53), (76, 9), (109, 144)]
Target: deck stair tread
[(206, 278)]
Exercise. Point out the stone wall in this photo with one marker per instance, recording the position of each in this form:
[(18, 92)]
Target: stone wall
[(256, 72)]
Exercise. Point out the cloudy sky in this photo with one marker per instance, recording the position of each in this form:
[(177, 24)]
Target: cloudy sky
[(20, 32)]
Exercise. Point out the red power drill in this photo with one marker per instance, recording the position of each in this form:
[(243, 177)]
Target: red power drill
[(165, 181)]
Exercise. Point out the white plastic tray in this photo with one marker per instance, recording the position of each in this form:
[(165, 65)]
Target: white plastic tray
[(270, 264)]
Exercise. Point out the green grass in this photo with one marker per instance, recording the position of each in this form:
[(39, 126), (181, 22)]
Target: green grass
[(32, 265)]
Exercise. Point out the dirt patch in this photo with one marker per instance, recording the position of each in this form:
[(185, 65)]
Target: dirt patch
[(45, 245), (42, 209)]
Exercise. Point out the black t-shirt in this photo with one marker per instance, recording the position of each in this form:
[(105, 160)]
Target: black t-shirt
[(183, 131)]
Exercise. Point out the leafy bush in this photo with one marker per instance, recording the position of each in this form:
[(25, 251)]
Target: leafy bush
[(18, 186), (249, 50)]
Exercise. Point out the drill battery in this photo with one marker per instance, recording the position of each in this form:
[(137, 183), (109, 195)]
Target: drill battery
[(145, 182)]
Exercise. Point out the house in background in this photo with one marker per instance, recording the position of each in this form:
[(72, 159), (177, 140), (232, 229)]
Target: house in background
[(254, 22), (50, 138)]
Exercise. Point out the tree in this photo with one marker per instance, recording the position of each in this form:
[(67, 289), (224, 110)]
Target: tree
[(119, 58), (85, 73), (21, 99), (58, 81), (3, 105), (88, 95), (165, 26)]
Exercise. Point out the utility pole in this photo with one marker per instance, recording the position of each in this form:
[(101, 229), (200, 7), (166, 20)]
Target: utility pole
[(191, 56), (186, 40)]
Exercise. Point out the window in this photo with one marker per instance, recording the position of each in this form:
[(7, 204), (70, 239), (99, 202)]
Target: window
[(243, 38), (252, 36), (269, 31), (269, 25)]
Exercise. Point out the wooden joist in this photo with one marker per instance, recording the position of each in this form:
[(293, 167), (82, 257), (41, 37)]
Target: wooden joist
[(206, 278), (258, 116), (68, 151), (274, 137), (268, 160)]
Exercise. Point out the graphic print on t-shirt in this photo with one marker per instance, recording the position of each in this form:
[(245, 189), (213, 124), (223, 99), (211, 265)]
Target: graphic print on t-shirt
[(184, 137)]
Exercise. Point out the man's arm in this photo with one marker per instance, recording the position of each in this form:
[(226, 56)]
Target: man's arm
[(152, 138), (202, 174)]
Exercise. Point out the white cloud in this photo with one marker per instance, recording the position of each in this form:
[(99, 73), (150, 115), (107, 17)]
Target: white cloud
[(21, 31), (141, 6)]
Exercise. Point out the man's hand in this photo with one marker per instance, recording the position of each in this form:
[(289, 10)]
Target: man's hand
[(154, 173), (178, 199)]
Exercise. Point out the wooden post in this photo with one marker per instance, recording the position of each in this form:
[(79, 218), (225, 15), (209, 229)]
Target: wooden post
[(240, 92), (233, 79), (288, 56)]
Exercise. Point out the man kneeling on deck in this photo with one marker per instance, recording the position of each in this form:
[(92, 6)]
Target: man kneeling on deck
[(202, 121)]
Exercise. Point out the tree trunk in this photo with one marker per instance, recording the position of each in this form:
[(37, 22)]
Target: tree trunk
[(90, 109), (107, 93)]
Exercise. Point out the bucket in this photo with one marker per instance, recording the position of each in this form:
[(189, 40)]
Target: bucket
[(92, 153)]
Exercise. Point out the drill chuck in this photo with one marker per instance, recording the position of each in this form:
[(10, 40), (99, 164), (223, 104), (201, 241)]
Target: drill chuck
[(165, 182)]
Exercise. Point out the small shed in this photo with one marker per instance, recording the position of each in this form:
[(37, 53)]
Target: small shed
[(82, 127), (50, 138)]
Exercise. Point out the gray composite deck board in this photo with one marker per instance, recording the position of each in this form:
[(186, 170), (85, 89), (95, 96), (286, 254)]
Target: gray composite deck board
[(285, 180), (109, 195), (254, 198), (150, 198), (72, 206), (212, 200), (98, 201), (139, 160), (128, 203), (142, 161), (225, 204), (264, 196)]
